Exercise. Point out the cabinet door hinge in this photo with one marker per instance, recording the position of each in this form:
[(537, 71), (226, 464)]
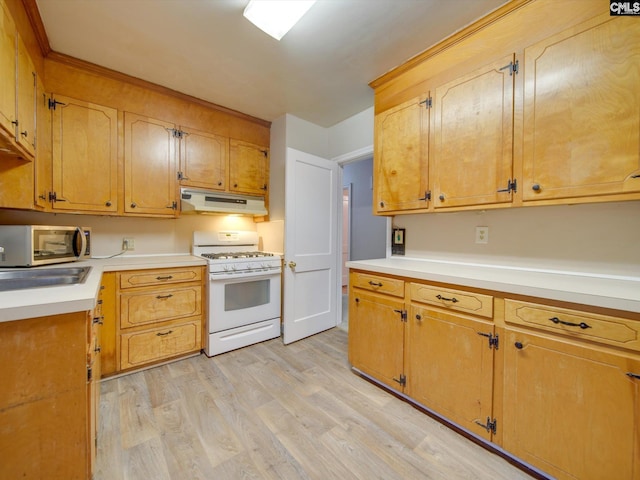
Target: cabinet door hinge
[(493, 340), (491, 426), (53, 103), (514, 67), (181, 176), (427, 103), (89, 374), (512, 186), (403, 314), (427, 196), (402, 380)]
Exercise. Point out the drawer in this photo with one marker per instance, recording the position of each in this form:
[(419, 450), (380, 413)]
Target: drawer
[(459, 300), (139, 348), (141, 308), (615, 331), (377, 283), (143, 278)]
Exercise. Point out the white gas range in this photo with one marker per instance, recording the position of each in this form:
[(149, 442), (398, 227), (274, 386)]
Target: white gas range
[(244, 290)]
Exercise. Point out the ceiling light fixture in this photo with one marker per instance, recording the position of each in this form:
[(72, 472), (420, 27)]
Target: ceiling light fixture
[(276, 17)]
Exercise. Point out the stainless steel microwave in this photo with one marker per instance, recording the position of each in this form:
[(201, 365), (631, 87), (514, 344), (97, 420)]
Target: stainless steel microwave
[(33, 245)]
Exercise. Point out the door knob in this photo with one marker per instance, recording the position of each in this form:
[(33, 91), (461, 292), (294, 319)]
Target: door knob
[(292, 265)]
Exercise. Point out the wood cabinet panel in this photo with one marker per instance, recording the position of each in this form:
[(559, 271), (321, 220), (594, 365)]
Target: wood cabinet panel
[(143, 278), (376, 336), (616, 331), (204, 159), (139, 348), (401, 157), (8, 67), (571, 410), (149, 307), (248, 168), (376, 283), (26, 101), (108, 343), (150, 178), (582, 111), (85, 163), (450, 366), (462, 301), (471, 153)]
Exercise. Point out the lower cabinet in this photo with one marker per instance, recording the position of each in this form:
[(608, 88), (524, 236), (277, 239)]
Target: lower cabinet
[(157, 316), (555, 387), (48, 396)]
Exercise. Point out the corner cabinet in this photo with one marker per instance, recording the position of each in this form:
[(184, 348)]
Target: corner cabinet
[(150, 166), (581, 131)]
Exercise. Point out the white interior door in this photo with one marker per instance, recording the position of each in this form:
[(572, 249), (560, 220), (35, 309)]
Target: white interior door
[(311, 273)]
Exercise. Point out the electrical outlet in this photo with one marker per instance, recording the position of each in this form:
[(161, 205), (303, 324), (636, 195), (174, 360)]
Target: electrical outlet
[(128, 244), (482, 235)]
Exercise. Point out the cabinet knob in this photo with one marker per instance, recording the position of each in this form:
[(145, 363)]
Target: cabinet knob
[(382, 204), (518, 345), (25, 134), (108, 203), (419, 317), (264, 187), (133, 205), (235, 185), (219, 184), (536, 187), (441, 197)]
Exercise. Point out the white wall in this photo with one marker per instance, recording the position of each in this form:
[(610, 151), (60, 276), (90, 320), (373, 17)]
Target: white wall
[(601, 237)]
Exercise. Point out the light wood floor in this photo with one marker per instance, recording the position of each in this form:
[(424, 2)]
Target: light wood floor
[(271, 411)]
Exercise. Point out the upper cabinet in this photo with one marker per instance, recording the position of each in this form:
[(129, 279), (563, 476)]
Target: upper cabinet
[(248, 168), (204, 159), (150, 178), (472, 148), (401, 157), (582, 112), (17, 92), (84, 165), (553, 120)]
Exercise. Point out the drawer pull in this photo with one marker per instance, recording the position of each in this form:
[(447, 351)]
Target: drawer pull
[(582, 325), (445, 299), (375, 284), (164, 296), (167, 277), (160, 334), (633, 375)]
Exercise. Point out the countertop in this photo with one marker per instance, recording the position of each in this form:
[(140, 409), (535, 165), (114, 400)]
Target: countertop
[(38, 302), (595, 289)]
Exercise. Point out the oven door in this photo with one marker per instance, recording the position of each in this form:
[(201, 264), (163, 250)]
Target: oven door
[(242, 299)]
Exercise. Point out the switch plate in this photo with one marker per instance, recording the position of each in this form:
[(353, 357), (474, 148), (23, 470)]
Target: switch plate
[(128, 243), (482, 235)]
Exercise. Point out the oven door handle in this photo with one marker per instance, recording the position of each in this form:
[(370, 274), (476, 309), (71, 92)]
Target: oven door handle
[(225, 276)]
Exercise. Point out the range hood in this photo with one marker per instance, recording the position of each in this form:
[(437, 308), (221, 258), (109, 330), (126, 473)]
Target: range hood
[(207, 201)]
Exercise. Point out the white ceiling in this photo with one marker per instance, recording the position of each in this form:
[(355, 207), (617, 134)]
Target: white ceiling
[(318, 72)]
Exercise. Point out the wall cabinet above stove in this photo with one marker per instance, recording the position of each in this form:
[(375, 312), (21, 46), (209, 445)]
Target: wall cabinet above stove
[(521, 111)]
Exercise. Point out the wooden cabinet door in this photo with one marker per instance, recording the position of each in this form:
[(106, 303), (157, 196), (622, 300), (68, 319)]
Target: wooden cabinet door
[(85, 161), (400, 158), (376, 336), (569, 410), (471, 157), (204, 158), (26, 100), (150, 176), (8, 69), (450, 366), (582, 111), (248, 168)]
